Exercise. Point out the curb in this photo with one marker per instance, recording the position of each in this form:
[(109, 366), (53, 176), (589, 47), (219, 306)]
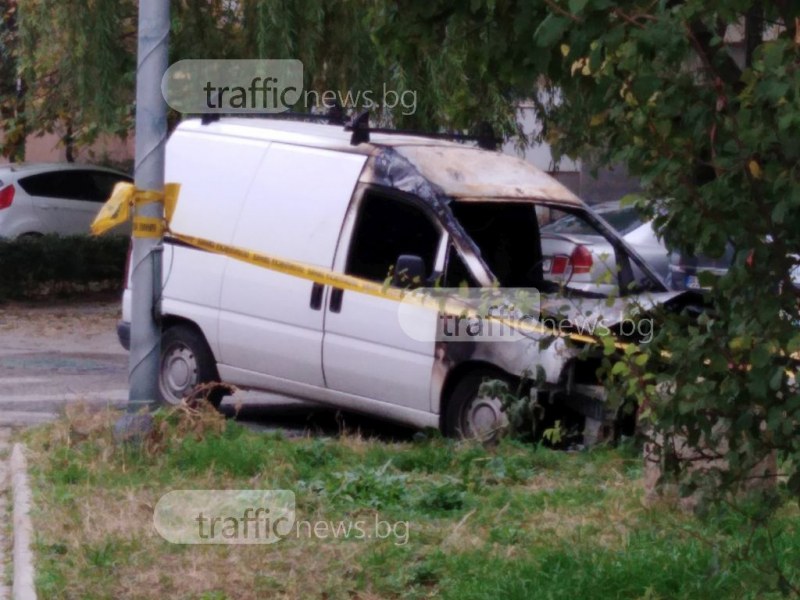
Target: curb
[(22, 587)]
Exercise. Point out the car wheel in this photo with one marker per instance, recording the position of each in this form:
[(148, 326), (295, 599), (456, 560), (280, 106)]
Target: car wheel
[(186, 363), (471, 414)]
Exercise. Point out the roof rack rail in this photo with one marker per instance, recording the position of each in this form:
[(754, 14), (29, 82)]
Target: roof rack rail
[(359, 125), (334, 116), (361, 129)]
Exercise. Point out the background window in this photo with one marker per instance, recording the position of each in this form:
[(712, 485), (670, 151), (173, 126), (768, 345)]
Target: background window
[(104, 184), (91, 186)]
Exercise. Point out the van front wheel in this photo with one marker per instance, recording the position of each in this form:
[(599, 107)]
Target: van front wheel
[(475, 414), (186, 363)]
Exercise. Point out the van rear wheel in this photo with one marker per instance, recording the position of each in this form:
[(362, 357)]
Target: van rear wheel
[(475, 414), (186, 363)]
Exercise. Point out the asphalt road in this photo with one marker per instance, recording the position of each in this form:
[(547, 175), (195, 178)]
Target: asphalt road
[(54, 354), (58, 353)]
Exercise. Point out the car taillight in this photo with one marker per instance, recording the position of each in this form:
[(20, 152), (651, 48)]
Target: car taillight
[(559, 265), (750, 258), (6, 196), (581, 260)]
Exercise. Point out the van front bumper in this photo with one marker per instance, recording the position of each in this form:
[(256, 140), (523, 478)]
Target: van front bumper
[(124, 334)]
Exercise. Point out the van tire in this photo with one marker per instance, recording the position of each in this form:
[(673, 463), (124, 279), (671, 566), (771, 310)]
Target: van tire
[(469, 416), (186, 362)]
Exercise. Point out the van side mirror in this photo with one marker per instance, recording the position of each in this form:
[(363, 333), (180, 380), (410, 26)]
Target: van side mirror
[(409, 271)]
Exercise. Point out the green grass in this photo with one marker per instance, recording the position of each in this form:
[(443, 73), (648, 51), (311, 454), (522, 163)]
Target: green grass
[(507, 522)]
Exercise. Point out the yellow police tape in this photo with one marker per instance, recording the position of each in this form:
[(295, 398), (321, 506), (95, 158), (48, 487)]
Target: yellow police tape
[(449, 306), (126, 196), (322, 276), (117, 210), (148, 227)]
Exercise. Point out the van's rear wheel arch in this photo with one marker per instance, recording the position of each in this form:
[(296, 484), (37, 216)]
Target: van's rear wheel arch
[(461, 402), (186, 362)]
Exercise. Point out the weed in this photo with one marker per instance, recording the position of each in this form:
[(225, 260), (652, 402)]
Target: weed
[(444, 497), (369, 487)]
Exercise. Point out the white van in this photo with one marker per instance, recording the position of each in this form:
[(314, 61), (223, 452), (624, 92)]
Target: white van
[(311, 193)]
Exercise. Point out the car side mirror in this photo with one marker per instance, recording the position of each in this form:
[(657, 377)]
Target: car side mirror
[(409, 271)]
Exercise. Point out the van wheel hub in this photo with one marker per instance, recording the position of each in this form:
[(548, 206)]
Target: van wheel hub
[(178, 373), (485, 418)]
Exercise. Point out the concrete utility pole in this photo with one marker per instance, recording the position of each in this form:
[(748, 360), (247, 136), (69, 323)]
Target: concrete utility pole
[(151, 135)]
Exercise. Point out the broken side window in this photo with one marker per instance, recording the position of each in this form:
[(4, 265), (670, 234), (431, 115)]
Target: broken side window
[(457, 274), (387, 227)]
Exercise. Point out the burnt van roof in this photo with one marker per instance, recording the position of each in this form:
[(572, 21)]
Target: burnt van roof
[(462, 172)]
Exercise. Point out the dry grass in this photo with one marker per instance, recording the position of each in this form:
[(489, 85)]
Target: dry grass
[(117, 520), (95, 500), (146, 566)]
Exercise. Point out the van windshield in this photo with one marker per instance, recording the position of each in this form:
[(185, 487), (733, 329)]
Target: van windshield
[(520, 253)]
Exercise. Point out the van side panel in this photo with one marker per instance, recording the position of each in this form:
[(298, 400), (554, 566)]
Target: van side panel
[(215, 174), (294, 210)]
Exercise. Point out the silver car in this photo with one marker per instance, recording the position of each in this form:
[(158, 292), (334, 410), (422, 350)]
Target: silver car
[(578, 256), (37, 199)]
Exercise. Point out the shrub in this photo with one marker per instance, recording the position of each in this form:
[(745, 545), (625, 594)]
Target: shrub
[(36, 267)]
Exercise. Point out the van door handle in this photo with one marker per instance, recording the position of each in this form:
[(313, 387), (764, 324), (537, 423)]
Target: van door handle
[(336, 300), (316, 296)]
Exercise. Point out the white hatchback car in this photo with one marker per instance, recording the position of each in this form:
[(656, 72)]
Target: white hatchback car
[(37, 199)]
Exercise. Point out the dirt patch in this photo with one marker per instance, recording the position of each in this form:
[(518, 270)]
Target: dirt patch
[(60, 327)]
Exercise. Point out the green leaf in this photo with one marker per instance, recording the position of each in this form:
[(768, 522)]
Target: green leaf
[(550, 30), (620, 368), (777, 379), (630, 199), (779, 212), (793, 485), (576, 6), (794, 344), (760, 356)]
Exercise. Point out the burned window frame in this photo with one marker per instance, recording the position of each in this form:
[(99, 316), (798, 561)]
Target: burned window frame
[(372, 191)]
